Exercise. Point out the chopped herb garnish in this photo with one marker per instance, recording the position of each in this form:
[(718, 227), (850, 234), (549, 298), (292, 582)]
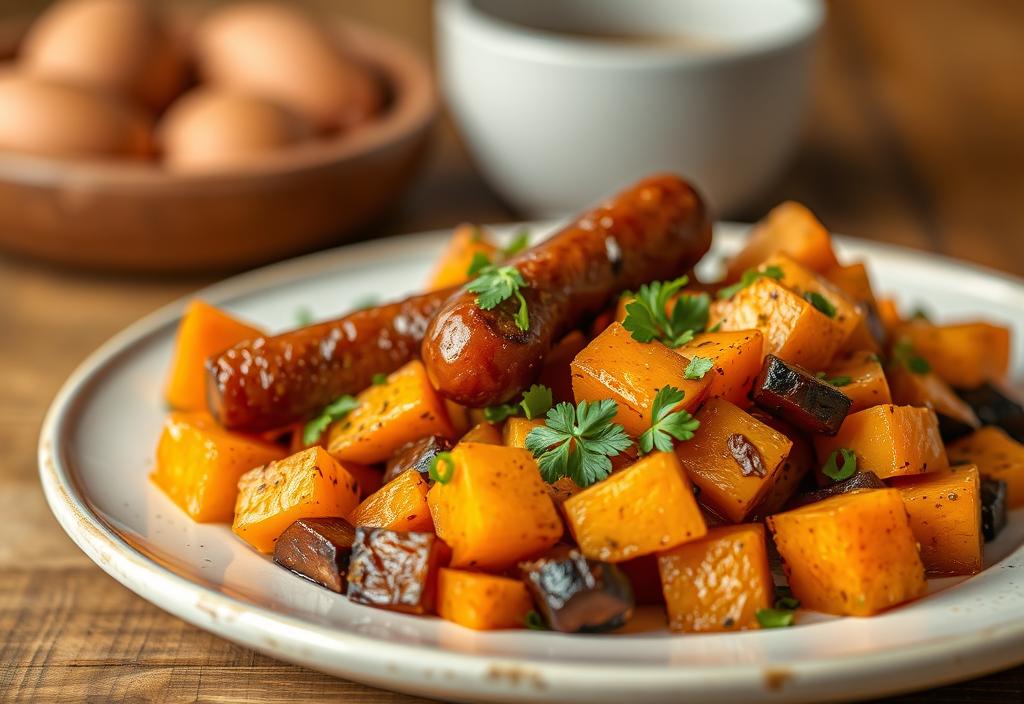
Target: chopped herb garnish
[(838, 473), (775, 618), (442, 468), (841, 380), (667, 423), (647, 317), (716, 327), (337, 410), (367, 301), (576, 442), (478, 262), (748, 277), (903, 353), (303, 316), (536, 401), (494, 284), (821, 303), (520, 242), (698, 367), (919, 314), (379, 379), (746, 455), (496, 414), (534, 621)]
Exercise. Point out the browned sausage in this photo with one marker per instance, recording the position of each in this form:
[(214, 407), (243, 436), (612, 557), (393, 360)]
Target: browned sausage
[(657, 229), (273, 381)]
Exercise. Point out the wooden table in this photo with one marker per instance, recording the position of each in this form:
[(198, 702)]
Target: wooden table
[(915, 137)]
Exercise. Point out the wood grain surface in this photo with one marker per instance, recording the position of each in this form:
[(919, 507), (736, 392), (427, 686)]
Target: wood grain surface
[(915, 137)]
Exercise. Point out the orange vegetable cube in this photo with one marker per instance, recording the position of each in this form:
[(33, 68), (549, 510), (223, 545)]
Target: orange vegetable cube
[(495, 509), (889, 314), (737, 356), (964, 355), (789, 228), (486, 433), (802, 281), (851, 555), (198, 464), (616, 366), (889, 440), (719, 582), (794, 330), (638, 511), (928, 390), (854, 281), (403, 409), (203, 332), (309, 484), (798, 464), (996, 455), (483, 602), (728, 488), (401, 505), (556, 373), (516, 429), (868, 385), (452, 267), (945, 515)]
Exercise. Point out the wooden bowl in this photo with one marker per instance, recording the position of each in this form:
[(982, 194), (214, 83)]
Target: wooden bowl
[(118, 216)]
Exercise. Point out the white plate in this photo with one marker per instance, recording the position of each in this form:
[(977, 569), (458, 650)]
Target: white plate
[(97, 447)]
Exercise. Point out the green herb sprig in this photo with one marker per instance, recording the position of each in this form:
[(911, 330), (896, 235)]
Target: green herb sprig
[(577, 442), (666, 423), (783, 613), (335, 411), (836, 472), (494, 284), (535, 403), (841, 380), (647, 316), (903, 353), (748, 277), (698, 367), (822, 304)]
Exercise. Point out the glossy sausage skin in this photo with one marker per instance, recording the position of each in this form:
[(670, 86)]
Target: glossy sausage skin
[(273, 381), (657, 229)]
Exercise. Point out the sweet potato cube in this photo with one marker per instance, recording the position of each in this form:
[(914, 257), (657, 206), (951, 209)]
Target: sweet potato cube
[(483, 602), (888, 440), (964, 355), (403, 409), (643, 509), (996, 455), (719, 582), (204, 331), (798, 464), (737, 358), (401, 504), (395, 570), (309, 484), (516, 429), (495, 510), (867, 385), (452, 268), (945, 515), (198, 464), (556, 372), (794, 330), (486, 433), (616, 366), (789, 228), (853, 280), (734, 459), (910, 388), (851, 555)]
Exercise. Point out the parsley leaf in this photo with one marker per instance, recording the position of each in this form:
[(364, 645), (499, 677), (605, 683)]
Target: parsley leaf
[(666, 423), (494, 284), (821, 303), (748, 277), (520, 242), (337, 410), (536, 401), (368, 300), (903, 353), (841, 380), (303, 316), (647, 316), (496, 414), (379, 379), (783, 612), (477, 263), (698, 367), (833, 471), (576, 442), (437, 472)]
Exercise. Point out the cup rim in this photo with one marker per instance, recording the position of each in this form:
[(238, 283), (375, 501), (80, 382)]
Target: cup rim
[(554, 48)]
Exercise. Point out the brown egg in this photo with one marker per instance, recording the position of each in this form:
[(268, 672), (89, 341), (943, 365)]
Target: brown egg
[(121, 46), (212, 129), (48, 118), (281, 53)]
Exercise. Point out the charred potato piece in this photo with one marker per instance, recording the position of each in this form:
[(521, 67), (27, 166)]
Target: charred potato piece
[(993, 507), (860, 480), (993, 407), (396, 570), (797, 396), (416, 455), (575, 594), (317, 549)]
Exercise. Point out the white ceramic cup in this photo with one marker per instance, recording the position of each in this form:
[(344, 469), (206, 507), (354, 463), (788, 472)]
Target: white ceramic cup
[(556, 118)]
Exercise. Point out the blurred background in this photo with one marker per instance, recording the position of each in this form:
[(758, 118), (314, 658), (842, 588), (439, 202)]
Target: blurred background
[(908, 130)]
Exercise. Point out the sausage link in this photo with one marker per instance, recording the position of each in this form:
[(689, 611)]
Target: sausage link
[(659, 228), (273, 381)]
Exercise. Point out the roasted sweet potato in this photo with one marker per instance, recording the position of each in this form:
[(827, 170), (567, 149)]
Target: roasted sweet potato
[(494, 510), (888, 440), (733, 458), (799, 463), (996, 455), (203, 331), (310, 484), (516, 429), (850, 555), (483, 602), (317, 549), (737, 358), (486, 433), (965, 355), (910, 388), (794, 394), (794, 330), (638, 511), (403, 409), (198, 464), (854, 281), (889, 315), (789, 228), (396, 570), (416, 455), (452, 268), (719, 582), (864, 379), (401, 505), (945, 515), (556, 373), (616, 366)]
